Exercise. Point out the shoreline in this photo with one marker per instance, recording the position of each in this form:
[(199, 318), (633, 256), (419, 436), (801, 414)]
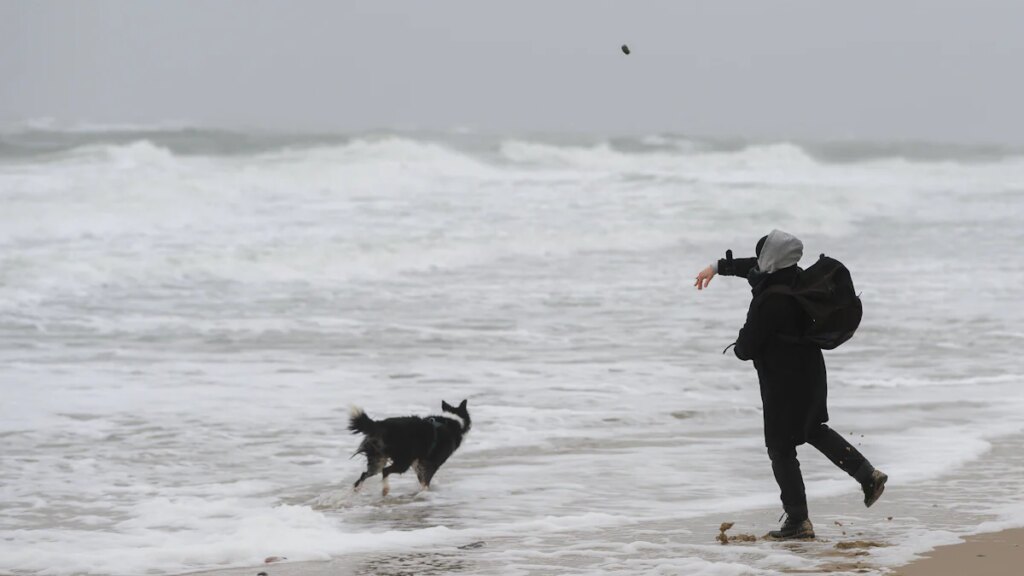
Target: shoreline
[(987, 554), (874, 542), (999, 553)]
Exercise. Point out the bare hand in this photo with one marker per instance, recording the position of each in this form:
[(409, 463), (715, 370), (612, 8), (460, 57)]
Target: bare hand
[(704, 278)]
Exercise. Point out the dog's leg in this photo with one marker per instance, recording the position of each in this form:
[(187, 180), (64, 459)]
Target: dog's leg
[(418, 466), (387, 485), (374, 464), (362, 478), (397, 467), (425, 472)]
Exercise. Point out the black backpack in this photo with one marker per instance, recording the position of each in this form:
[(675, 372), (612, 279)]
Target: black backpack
[(825, 291)]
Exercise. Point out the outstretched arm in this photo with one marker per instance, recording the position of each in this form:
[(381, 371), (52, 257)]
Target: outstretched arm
[(727, 266), (735, 266)]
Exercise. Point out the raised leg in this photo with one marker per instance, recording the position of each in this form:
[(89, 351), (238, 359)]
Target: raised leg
[(841, 453), (374, 464), (845, 456)]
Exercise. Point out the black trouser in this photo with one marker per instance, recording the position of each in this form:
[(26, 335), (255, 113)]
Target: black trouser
[(787, 468)]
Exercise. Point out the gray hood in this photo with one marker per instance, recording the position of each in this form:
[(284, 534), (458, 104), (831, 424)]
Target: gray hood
[(780, 250)]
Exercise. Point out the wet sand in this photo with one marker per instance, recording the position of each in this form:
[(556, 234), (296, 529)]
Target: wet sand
[(850, 538), (994, 554), (454, 560)]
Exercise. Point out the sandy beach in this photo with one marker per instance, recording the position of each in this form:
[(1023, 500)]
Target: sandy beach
[(994, 554)]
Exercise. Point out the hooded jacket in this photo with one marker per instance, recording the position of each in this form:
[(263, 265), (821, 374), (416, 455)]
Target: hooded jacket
[(791, 375)]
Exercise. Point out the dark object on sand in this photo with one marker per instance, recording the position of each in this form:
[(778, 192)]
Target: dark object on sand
[(272, 559), (261, 574), (625, 50)]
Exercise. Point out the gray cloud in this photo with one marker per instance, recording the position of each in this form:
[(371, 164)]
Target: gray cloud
[(936, 70)]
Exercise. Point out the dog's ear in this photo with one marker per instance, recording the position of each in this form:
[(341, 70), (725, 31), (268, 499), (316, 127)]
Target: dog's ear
[(446, 407), (462, 406)]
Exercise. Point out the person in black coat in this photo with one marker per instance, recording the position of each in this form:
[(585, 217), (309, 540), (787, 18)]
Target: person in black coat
[(792, 377)]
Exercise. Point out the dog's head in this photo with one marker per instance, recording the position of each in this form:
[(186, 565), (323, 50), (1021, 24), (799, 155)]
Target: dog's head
[(459, 411)]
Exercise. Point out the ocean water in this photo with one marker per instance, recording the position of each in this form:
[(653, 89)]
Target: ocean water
[(186, 317)]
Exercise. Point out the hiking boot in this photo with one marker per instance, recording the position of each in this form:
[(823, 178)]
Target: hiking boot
[(874, 487), (793, 529)]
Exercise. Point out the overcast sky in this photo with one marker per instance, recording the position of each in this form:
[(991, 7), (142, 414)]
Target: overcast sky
[(928, 70)]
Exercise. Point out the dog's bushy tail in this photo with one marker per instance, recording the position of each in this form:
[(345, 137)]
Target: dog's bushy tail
[(359, 422)]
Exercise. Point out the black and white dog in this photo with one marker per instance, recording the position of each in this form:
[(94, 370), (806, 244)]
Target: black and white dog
[(409, 441)]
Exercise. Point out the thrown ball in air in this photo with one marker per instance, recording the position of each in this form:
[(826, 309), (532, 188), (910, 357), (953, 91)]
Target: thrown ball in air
[(625, 50)]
